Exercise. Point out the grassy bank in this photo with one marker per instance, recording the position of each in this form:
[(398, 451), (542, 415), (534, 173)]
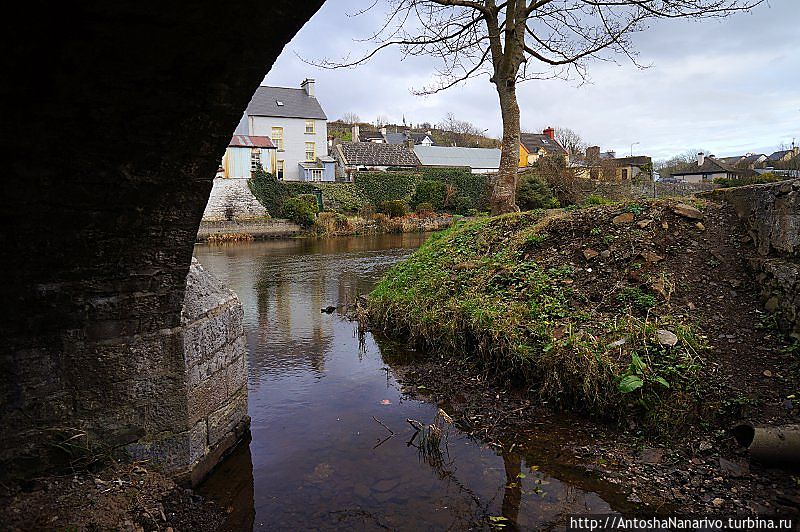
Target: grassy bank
[(594, 309)]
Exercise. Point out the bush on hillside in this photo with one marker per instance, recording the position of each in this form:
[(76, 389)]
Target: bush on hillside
[(534, 193)]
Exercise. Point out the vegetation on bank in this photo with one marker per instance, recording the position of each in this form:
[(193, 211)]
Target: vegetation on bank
[(520, 295), (768, 177), (452, 190)]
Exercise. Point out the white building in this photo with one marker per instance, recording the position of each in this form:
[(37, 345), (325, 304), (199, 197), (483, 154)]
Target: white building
[(297, 125)]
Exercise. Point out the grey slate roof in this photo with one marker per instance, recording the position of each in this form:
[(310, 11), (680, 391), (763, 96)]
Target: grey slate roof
[(779, 155), (458, 157), (375, 154), (296, 103), (712, 166), (534, 141)]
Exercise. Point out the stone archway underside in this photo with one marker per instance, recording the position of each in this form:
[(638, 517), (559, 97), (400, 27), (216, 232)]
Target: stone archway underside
[(115, 116)]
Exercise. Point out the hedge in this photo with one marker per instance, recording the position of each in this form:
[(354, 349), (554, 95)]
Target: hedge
[(378, 187), (431, 192), (468, 190)]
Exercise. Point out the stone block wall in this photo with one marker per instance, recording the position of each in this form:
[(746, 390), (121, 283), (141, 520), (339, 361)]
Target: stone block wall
[(772, 213), (232, 200), (210, 415)]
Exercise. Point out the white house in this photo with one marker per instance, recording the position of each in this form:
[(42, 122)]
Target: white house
[(297, 125)]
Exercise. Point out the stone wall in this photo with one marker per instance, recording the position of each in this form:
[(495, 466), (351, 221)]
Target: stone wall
[(772, 213), (113, 137), (210, 415), (232, 200)]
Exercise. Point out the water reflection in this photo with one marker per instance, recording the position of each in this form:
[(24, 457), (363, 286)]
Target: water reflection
[(329, 432)]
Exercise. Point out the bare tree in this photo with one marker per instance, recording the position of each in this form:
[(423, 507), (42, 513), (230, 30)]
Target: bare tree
[(571, 140), (457, 132), (516, 40), (351, 118)]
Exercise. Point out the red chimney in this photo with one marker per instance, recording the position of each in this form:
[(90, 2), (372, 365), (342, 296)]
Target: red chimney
[(550, 132)]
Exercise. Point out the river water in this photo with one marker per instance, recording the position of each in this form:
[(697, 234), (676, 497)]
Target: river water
[(324, 406)]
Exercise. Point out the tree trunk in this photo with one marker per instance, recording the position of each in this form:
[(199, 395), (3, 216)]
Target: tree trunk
[(505, 183)]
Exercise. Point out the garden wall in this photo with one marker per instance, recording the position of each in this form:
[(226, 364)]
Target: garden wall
[(772, 214)]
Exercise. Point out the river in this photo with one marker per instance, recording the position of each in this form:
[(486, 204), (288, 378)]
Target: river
[(324, 406)]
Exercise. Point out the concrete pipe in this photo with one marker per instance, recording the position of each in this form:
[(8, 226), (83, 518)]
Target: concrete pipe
[(771, 445)]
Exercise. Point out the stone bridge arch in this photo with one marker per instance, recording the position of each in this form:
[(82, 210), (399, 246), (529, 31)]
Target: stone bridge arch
[(115, 115)]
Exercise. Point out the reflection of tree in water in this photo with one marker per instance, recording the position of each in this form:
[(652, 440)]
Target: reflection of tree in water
[(291, 291)]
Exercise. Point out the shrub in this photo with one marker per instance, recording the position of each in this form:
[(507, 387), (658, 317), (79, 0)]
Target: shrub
[(302, 210), (332, 223), (534, 193), (430, 192), (424, 208), (394, 208)]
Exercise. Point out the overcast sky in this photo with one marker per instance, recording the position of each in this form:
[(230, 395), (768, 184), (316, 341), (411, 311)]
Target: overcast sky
[(727, 86)]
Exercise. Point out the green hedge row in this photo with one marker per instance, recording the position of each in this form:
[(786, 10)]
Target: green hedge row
[(452, 189)]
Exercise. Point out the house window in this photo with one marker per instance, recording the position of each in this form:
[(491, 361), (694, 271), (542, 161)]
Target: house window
[(255, 159), (311, 151), (277, 137), (279, 170), (624, 173), (310, 128), (316, 174)]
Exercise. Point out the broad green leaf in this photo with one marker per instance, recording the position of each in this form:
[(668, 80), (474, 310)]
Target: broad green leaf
[(630, 383), (662, 381)]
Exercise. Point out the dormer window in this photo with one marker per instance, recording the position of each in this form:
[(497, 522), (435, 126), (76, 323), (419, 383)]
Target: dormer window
[(279, 103)]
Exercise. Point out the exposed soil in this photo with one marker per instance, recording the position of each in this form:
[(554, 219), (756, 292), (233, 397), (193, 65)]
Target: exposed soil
[(749, 373), (122, 497)]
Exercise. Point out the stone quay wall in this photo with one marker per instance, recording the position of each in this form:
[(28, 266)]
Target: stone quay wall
[(772, 213)]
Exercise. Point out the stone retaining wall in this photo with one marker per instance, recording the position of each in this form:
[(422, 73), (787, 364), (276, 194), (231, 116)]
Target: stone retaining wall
[(231, 199), (772, 213)]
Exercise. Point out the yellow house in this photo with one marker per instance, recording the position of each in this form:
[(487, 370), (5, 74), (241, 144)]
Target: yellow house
[(535, 145)]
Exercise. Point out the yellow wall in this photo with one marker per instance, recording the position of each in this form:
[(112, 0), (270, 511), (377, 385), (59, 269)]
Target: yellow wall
[(523, 156)]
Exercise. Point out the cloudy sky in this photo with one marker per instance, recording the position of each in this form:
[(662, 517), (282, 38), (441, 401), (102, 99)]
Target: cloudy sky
[(727, 86)]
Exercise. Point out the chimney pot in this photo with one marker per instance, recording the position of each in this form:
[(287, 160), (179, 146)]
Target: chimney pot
[(308, 86), (701, 158), (550, 132)]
